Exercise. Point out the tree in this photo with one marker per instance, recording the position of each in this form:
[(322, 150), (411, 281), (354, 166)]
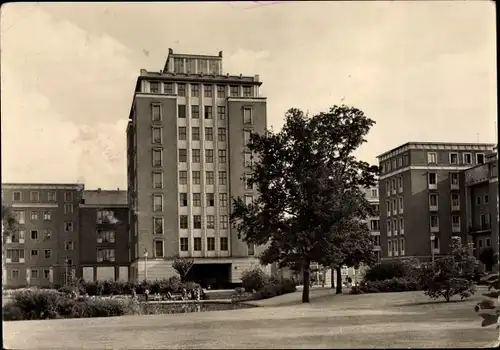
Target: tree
[(182, 266), (308, 183), (491, 316), (488, 257), (450, 275)]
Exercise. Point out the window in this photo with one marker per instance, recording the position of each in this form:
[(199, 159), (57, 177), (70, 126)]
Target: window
[(247, 116), (480, 243), (183, 199), (234, 90), (214, 67), (209, 134), (197, 199), (19, 216), (168, 88), (374, 192), (184, 244), (203, 66), (181, 111), (248, 199), (197, 244), (209, 155), (208, 112), (405, 160), (251, 249), (247, 91), (190, 65), (388, 187), (247, 162), (400, 183), (221, 91), (68, 245), (455, 200), (196, 156), (454, 178), (478, 200), (395, 226), (222, 178), (47, 215), (16, 196), (68, 208), (486, 199), (210, 200), (453, 158), (14, 274), (374, 225), (46, 274), (196, 177), (34, 274), (208, 90), (434, 221), (69, 262), (181, 89), (222, 156), (104, 254), (431, 157), (34, 252), (158, 225), (389, 228), (224, 244), (401, 225), (210, 221), (158, 249), (154, 87), (34, 235), (401, 204), (247, 183), (388, 205), (47, 234), (35, 196), (182, 133), (479, 158), (182, 155), (209, 177), (68, 227), (394, 163), (195, 90), (157, 180), (400, 161), (488, 242), (433, 200), (197, 221), (210, 243), (246, 137), (156, 135), (223, 200), (183, 222), (104, 236), (157, 157), (52, 196), (156, 112), (221, 135), (224, 222), (195, 133), (221, 112), (15, 255), (157, 202), (34, 215), (183, 177), (389, 247), (195, 111), (455, 221), (432, 179), (467, 158)]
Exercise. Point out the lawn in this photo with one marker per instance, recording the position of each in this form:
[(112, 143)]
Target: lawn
[(391, 320)]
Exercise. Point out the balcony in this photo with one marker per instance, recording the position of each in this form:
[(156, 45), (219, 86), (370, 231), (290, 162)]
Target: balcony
[(110, 259), (480, 228), (396, 253), (434, 229), (401, 231), (436, 251), (455, 228), (401, 210), (10, 239), (393, 191), (376, 248), (14, 260), (402, 253), (433, 186), (394, 211), (388, 213), (389, 233), (389, 253), (455, 207), (454, 186), (433, 207)]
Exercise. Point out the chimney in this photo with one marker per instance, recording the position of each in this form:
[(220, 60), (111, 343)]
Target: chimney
[(118, 188), (170, 51), (99, 189), (220, 54)]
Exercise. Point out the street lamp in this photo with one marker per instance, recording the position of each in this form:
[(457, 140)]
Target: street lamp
[(433, 238), (146, 264)]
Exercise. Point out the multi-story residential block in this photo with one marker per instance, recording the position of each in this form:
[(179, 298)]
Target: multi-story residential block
[(44, 248), (372, 195), (421, 196), (481, 204), (104, 236), (186, 141)]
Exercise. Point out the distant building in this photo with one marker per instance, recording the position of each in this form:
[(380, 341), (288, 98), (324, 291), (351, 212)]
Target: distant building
[(421, 197), (186, 144)]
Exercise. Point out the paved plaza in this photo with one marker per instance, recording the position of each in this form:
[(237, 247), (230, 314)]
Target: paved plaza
[(393, 320)]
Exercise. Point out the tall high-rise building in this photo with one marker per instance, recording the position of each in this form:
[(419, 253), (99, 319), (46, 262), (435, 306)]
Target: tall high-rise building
[(420, 196), (187, 158)]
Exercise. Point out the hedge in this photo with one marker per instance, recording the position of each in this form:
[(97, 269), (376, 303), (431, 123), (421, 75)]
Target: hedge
[(264, 286), (387, 286)]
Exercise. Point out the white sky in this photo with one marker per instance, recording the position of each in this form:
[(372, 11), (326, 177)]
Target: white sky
[(424, 71)]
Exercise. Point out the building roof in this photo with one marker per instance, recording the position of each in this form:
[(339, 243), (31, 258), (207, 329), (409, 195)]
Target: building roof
[(105, 197), (415, 144)]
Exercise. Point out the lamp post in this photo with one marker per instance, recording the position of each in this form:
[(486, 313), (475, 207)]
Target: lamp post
[(146, 264), (433, 238)]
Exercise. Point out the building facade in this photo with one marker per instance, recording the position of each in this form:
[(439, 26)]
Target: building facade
[(44, 248), (186, 138), (104, 236), (481, 204), (421, 196)]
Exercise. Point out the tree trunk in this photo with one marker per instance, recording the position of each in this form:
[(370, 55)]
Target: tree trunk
[(339, 280), (305, 283), (332, 278)]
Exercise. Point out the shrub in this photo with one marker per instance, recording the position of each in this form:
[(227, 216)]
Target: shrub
[(386, 270), (387, 286), (11, 312), (254, 279), (266, 292), (36, 305)]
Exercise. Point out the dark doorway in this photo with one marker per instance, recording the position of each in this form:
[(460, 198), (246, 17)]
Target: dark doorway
[(215, 276)]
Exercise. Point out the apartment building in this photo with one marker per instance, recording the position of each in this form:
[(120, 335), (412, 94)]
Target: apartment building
[(104, 236), (188, 127), (421, 199), (481, 204), (44, 248), (372, 195)]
